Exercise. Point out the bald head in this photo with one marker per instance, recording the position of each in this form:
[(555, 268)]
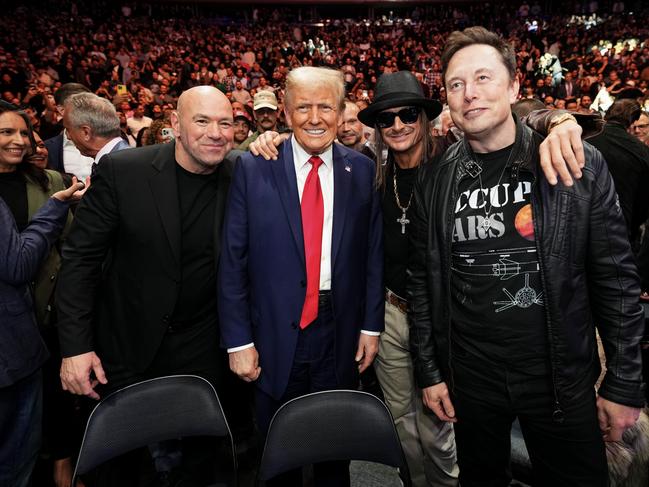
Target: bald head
[(203, 127), (195, 94)]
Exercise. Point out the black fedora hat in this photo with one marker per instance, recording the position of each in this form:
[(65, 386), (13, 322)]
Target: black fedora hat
[(400, 89)]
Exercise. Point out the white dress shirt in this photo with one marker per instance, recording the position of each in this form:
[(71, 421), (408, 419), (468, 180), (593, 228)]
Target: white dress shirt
[(326, 175), (73, 161)]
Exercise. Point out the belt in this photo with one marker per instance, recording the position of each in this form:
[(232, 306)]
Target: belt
[(396, 300), (324, 298)]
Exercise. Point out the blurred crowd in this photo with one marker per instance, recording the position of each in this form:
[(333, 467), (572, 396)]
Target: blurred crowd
[(142, 57)]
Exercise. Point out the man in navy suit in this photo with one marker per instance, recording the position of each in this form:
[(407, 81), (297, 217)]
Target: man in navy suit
[(301, 297)]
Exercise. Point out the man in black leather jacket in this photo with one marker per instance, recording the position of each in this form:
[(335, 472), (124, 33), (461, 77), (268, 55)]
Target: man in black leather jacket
[(508, 278)]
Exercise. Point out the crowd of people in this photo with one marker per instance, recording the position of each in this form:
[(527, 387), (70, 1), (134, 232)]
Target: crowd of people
[(143, 63), (349, 288)]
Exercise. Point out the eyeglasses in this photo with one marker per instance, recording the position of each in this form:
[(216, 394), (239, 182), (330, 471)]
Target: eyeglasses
[(406, 115)]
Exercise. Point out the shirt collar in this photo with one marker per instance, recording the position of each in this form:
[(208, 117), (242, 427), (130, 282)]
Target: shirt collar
[(301, 157), (66, 140), (107, 148)]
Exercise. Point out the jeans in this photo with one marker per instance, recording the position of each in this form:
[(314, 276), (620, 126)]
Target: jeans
[(21, 411)]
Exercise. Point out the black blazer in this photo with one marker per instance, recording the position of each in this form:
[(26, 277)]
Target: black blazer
[(121, 262)]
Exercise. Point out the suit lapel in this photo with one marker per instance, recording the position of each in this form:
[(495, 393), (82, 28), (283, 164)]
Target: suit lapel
[(284, 172), (165, 194), (342, 189)]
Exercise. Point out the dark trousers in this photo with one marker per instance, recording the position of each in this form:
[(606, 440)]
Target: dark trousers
[(194, 351), (487, 399), (20, 429), (314, 370)]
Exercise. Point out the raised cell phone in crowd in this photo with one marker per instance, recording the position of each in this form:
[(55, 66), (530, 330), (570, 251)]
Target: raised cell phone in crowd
[(167, 133), (122, 90)]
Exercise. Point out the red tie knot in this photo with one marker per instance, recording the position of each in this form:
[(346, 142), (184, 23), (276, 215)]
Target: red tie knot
[(315, 161)]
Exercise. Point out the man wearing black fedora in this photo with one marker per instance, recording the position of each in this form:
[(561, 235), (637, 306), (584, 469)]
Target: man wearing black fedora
[(401, 115)]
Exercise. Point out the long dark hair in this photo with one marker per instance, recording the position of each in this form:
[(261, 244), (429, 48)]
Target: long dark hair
[(26, 168)]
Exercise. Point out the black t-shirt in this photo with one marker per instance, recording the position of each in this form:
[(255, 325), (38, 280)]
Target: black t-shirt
[(197, 295), (13, 191), (498, 310), (395, 234)]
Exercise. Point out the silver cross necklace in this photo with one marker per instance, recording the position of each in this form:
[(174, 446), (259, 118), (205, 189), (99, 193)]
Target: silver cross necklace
[(403, 220)]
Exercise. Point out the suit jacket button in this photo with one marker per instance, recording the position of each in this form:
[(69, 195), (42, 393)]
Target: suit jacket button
[(165, 319), (303, 283), (294, 325)]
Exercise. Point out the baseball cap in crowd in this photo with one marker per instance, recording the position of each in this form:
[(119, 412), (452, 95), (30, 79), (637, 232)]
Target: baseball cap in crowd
[(265, 99), (238, 113)]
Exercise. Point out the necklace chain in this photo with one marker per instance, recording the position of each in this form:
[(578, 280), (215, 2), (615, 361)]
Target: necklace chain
[(403, 221), (396, 193), (486, 224)]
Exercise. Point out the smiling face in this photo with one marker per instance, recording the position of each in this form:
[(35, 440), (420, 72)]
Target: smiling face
[(203, 128), (39, 157), (479, 94), (14, 141), (402, 137), (241, 128), (313, 114)]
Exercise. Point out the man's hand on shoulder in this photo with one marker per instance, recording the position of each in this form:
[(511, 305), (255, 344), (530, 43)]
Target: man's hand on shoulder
[(437, 399), (368, 347), (266, 144), (562, 151), (245, 363), (75, 374), (615, 418)]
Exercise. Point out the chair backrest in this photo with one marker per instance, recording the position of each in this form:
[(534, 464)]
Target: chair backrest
[(150, 411), (328, 426)]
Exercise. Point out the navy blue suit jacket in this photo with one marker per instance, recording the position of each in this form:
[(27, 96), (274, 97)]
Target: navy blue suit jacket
[(55, 153), (262, 273), (22, 350)]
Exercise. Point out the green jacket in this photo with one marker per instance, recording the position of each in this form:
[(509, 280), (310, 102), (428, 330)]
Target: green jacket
[(45, 281)]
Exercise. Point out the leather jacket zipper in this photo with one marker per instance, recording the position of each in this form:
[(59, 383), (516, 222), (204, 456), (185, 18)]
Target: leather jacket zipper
[(537, 213), (448, 263)]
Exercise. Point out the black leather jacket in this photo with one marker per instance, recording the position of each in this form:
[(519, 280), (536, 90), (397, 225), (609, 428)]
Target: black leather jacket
[(587, 271)]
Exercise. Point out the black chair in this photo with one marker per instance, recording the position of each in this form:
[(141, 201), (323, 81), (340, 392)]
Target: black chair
[(148, 412), (329, 426)]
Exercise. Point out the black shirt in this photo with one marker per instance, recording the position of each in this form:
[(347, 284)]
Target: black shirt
[(395, 234), (13, 191), (197, 295), (497, 305)]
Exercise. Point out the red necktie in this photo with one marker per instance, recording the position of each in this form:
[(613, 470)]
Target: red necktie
[(312, 221)]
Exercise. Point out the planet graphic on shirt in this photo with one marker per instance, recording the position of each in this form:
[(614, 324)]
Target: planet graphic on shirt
[(524, 223)]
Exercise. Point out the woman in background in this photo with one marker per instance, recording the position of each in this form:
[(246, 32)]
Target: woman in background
[(28, 229)]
